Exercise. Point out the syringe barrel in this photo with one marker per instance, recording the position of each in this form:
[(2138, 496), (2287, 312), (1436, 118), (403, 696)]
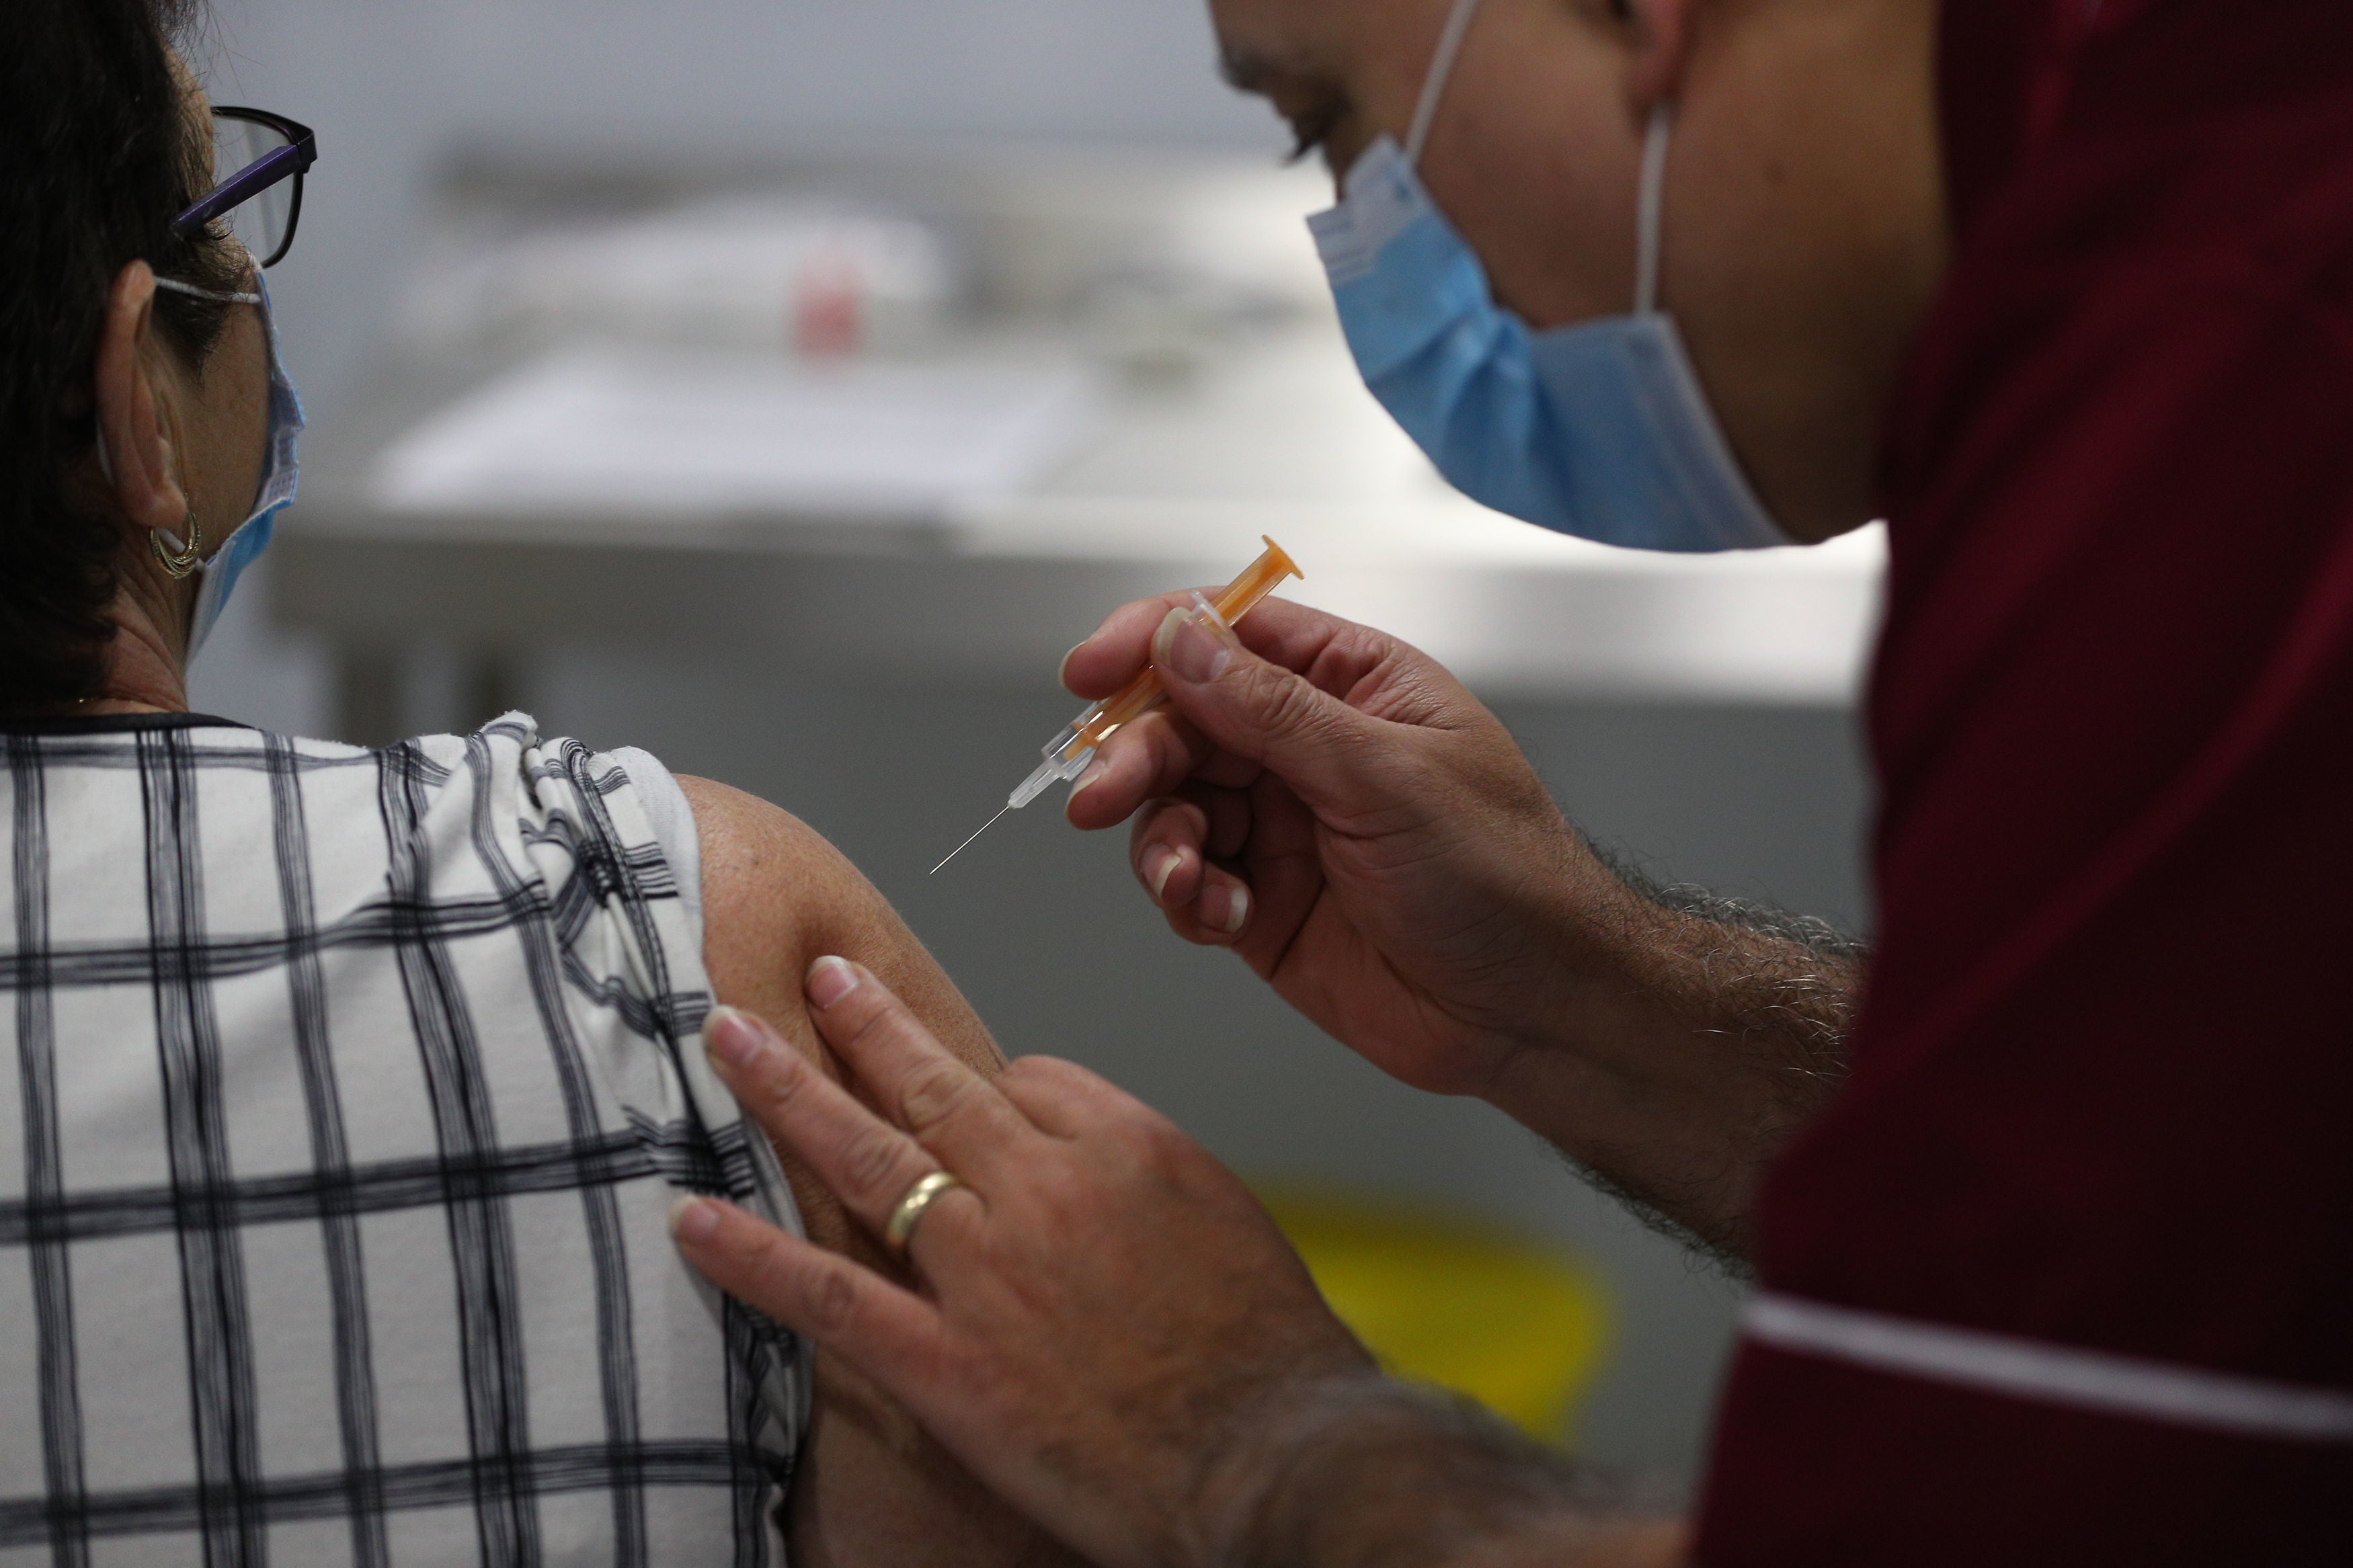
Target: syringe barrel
[(1142, 694), (1258, 580)]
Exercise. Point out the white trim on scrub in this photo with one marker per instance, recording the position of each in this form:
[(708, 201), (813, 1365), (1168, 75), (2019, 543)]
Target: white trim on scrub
[(2051, 1374)]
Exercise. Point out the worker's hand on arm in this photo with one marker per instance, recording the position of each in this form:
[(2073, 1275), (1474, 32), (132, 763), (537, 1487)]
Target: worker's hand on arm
[(1110, 1332), (1333, 806)]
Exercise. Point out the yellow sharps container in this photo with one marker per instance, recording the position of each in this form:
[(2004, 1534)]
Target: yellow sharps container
[(1517, 1324)]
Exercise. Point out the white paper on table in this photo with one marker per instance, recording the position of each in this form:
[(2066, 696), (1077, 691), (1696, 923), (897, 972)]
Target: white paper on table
[(615, 430)]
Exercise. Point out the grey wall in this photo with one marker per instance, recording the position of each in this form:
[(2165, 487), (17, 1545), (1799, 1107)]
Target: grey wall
[(1041, 927)]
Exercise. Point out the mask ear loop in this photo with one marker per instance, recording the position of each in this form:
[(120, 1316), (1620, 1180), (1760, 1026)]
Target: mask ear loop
[(105, 462), (1648, 216), (180, 560), (215, 295), (1433, 86)]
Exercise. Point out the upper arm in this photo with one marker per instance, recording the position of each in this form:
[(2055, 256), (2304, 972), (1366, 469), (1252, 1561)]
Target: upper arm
[(776, 897), (872, 1487)]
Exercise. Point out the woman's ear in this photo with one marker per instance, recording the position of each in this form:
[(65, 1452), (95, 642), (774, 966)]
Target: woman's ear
[(1659, 41), (135, 421)]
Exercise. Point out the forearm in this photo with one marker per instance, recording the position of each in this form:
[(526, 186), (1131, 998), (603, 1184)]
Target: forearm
[(1692, 1037), (873, 1490), (1368, 1472)]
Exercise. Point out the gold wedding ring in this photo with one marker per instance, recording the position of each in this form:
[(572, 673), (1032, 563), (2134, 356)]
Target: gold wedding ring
[(903, 1219)]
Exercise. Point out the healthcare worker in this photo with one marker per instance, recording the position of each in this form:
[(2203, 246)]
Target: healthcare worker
[(2051, 1202)]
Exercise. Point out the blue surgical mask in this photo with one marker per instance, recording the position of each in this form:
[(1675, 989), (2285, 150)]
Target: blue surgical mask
[(218, 574), (1599, 429)]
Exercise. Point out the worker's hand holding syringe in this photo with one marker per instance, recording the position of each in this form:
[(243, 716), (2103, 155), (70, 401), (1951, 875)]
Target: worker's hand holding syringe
[(1331, 805), (1070, 754)]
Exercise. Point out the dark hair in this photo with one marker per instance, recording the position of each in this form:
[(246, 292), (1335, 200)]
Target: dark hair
[(96, 157)]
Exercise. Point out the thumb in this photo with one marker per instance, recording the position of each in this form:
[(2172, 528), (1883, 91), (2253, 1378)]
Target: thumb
[(1262, 712)]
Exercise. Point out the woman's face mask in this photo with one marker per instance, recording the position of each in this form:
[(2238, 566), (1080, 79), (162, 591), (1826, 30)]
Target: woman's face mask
[(1599, 429)]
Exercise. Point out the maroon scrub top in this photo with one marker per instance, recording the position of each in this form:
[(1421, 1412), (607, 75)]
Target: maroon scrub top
[(2065, 1275)]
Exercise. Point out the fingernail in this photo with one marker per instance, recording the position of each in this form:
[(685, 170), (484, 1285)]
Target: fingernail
[(733, 1037), (1237, 909), (693, 1219), (1164, 866), (1094, 771), (1187, 648), (830, 980), (1162, 633), (1062, 670)]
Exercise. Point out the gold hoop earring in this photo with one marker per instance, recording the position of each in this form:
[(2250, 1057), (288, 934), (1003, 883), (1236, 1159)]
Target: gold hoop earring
[(183, 562)]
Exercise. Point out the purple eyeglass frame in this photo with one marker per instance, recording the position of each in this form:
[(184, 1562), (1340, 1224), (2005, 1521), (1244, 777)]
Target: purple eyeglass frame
[(290, 161)]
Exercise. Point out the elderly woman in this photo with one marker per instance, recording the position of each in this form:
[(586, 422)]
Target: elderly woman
[(346, 1092)]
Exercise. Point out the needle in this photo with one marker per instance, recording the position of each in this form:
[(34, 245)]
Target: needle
[(968, 843)]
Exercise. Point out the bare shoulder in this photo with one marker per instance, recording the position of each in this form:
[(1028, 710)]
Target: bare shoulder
[(768, 878), (776, 897)]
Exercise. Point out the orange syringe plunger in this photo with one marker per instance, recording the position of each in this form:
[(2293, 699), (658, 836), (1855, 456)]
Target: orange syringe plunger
[(1068, 753)]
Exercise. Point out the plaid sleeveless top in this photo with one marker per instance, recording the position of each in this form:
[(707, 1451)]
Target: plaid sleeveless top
[(343, 1098)]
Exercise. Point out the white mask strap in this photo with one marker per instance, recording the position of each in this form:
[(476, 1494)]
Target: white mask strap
[(1433, 86), (176, 287), (1647, 214), (105, 464)]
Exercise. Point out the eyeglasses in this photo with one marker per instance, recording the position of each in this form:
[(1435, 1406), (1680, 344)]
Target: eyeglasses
[(263, 200)]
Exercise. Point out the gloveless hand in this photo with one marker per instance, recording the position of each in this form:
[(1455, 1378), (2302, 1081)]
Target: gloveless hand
[(1112, 1336), (1333, 804)]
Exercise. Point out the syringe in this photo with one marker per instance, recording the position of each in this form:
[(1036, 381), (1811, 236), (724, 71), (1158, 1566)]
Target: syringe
[(1068, 753)]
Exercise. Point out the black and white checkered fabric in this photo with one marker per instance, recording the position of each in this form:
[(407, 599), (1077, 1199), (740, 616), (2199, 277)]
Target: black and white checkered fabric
[(345, 1098)]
